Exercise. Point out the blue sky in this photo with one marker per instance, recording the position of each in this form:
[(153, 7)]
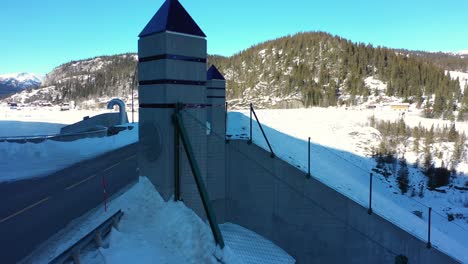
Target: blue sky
[(37, 36)]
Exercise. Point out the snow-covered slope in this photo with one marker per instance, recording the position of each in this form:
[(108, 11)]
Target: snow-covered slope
[(340, 158), (462, 78), (15, 82)]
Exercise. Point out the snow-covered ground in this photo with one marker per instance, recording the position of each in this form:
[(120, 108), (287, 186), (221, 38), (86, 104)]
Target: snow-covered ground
[(341, 140), (50, 115), (49, 156), (154, 231), (462, 78)]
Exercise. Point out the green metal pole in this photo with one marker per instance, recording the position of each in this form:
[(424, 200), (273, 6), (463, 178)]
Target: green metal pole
[(199, 181), (177, 196)]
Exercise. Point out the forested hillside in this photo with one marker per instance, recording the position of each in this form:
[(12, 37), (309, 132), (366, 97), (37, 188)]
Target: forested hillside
[(447, 61), (105, 76), (318, 69)]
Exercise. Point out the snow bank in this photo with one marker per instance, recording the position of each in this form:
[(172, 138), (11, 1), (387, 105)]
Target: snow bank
[(151, 231), (50, 114), (154, 231), (50, 156)]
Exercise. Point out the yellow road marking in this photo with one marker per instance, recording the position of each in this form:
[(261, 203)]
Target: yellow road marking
[(113, 166), (80, 182), (24, 210), (131, 157), (94, 175)]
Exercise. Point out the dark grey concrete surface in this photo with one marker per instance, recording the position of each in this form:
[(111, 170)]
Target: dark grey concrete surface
[(33, 210), (311, 221)]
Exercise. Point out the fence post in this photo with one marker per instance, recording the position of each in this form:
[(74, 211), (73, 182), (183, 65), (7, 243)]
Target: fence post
[(250, 138), (369, 211), (308, 160), (429, 230), (263, 133), (225, 118), (133, 110)]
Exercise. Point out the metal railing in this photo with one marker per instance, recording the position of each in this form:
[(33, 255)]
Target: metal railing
[(252, 111), (96, 235)]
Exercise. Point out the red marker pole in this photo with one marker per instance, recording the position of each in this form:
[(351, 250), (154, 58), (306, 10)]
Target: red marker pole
[(105, 194)]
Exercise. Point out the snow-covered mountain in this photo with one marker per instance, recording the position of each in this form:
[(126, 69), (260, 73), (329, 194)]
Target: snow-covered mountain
[(16, 82), (463, 52)]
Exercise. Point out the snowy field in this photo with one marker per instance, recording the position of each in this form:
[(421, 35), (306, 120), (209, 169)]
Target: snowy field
[(146, 235), (49, 156), (50, 114), (341, 140)]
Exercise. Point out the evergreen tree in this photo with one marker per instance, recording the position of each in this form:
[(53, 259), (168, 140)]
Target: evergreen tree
[(452, 134), (403, 176)]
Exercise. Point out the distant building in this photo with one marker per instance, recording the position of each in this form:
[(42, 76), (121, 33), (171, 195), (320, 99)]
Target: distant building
[(400, 106)]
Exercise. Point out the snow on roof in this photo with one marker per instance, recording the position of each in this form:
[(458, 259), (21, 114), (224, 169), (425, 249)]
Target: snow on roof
[(172, 16)]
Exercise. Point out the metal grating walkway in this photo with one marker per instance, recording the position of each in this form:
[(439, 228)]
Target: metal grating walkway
[(250, 247)]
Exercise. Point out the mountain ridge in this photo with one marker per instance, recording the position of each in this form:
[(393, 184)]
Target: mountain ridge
[(11, 83)]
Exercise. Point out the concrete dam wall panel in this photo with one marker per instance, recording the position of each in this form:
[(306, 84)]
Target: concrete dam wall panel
[(311, 221)]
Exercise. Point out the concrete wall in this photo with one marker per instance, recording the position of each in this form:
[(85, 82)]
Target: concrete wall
[(309, 220), (106, 120), (216, 117)]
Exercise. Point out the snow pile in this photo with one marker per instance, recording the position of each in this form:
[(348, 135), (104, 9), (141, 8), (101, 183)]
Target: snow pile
[(340, 159), (151, 231), (154, 231), (50, 156), (252, 248), (375, 85)]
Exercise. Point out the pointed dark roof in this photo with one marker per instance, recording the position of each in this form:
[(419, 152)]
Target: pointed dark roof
[(214, 74), (172, 16)]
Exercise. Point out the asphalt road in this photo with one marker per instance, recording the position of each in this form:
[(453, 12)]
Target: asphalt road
[(33, 210)]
